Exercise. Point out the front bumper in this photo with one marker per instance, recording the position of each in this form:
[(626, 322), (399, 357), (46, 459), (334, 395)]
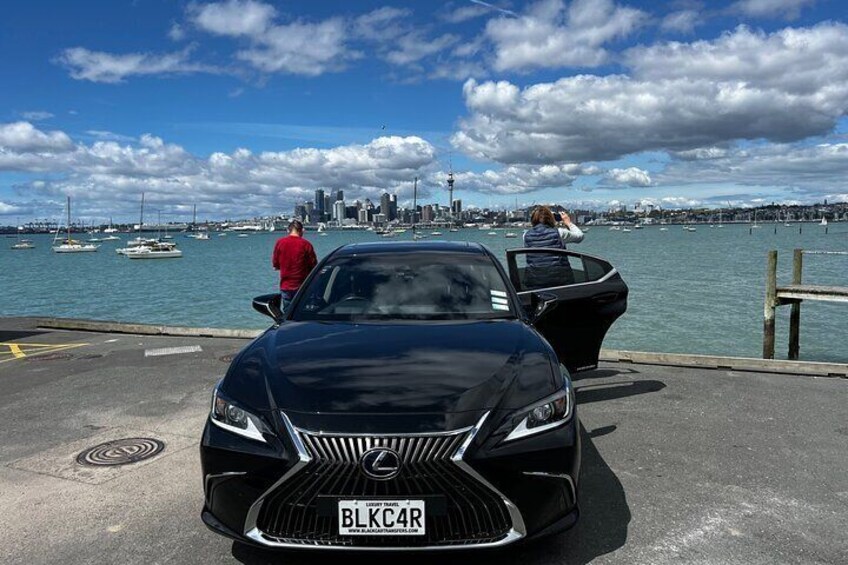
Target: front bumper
[(494, 495)]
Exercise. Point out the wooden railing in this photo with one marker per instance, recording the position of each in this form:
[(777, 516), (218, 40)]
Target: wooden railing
[(793, 294)]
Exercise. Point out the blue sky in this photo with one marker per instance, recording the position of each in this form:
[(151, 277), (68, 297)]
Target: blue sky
[(245, 107)]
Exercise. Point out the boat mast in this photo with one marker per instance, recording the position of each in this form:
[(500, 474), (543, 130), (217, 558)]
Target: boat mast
[(141, 219), (69, 220)]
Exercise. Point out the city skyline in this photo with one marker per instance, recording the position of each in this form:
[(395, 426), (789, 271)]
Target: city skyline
[(246, 107)]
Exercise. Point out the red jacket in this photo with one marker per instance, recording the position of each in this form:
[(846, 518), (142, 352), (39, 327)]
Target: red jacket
[(294, 257)]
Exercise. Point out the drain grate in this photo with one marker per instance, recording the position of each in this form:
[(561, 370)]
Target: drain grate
[(121, 451)]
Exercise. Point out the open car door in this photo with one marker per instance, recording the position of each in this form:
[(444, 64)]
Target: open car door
[(590, 293)]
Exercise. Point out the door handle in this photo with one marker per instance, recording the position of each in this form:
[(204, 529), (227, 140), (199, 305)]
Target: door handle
[(606, 298)]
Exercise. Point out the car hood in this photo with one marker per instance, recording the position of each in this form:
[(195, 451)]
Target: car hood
[(402, 369)]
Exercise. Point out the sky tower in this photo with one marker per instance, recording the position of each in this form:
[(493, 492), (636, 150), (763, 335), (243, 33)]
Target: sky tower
[(450, 192)]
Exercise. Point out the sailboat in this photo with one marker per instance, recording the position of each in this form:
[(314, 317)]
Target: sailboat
[(71, 246), (23, 243), (138, 241), (159, 250), (755, 224), (823, 221)]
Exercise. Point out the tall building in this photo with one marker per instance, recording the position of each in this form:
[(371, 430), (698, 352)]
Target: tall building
[(427, 213), (310, 211), (393, 207), (300, 212), (385, 206), (363, 216), (457, 208), (328, 205), (319, 204), (339, 195), (339, 211)]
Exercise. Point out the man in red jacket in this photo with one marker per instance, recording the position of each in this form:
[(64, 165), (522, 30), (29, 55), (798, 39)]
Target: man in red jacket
[(294, 257)]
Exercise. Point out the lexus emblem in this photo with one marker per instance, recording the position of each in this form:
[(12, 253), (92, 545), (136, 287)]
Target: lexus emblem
[(380, 463)]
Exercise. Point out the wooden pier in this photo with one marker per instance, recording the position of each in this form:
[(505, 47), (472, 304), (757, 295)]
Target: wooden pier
[(793, 294)]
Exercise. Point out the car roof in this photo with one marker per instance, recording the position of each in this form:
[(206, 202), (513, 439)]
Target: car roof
[(411, 247)]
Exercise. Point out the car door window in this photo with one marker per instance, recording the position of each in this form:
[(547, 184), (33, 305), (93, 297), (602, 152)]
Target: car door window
[(540, 269)]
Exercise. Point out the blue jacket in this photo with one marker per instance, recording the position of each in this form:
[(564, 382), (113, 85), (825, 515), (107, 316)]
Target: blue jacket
[(542, 235)]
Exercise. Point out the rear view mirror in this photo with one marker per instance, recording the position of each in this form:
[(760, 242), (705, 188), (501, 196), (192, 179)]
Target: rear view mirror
[(269, 304), (541, 303)]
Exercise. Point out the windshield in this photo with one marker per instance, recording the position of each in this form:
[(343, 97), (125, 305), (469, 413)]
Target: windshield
[(419, 286)]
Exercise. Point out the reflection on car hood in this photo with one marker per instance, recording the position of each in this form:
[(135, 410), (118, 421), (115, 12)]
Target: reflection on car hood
[(436, 368)]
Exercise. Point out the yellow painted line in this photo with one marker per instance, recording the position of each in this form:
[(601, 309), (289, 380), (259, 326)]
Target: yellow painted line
[(41, 350), (27, 344)]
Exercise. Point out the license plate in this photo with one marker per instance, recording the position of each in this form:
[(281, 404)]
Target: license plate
[(381, 517)]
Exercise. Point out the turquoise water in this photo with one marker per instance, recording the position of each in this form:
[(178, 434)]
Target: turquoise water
[(698, 292)]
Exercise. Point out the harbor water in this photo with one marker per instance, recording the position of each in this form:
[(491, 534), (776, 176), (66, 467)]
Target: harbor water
[(690, 292)]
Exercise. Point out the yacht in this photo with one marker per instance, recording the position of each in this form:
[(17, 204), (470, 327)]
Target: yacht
[(157, 251), (510, 234), (71, 245), (23, 243)]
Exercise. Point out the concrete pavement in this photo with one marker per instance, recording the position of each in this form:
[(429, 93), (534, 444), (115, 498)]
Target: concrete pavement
[(680, 465)]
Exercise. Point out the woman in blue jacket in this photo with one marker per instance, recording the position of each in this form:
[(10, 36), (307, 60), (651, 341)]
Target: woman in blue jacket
[(553, 231)]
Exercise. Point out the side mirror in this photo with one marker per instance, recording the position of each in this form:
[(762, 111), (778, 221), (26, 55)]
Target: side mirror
[(269, 304), (541, 303)]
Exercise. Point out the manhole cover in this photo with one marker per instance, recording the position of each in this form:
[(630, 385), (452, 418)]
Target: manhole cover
[(121, 451), (50, 357)]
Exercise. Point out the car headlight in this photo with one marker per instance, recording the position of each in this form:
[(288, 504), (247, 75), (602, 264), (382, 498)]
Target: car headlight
[(547, 414), (230, 416)]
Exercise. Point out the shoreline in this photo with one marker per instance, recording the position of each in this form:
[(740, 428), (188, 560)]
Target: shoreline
[(716, 362)]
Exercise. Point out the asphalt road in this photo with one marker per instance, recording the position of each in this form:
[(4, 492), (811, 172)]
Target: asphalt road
[(680, 465)]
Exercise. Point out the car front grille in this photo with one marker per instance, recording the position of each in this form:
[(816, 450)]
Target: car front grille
[(471, 513)]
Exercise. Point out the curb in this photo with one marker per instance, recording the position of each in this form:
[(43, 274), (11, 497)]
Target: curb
[(748, 364)]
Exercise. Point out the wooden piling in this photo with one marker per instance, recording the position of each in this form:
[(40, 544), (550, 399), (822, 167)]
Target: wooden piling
[(770, 305), (795, 312)]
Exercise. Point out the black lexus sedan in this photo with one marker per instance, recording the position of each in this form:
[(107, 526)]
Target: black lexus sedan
[(414, 396)]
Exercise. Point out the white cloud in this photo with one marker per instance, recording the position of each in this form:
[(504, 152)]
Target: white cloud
[(788, 9), (382, 24), (6, 209), (783, 86), (681, 21), (36, 115), (111, 173), (24, 137), (815, 169), (234, 17), (411, 48), (550, 35), (176, 32), (109, 135), (465, 13), (518, 179), (99, 66), (630, 176), (300, 48)]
